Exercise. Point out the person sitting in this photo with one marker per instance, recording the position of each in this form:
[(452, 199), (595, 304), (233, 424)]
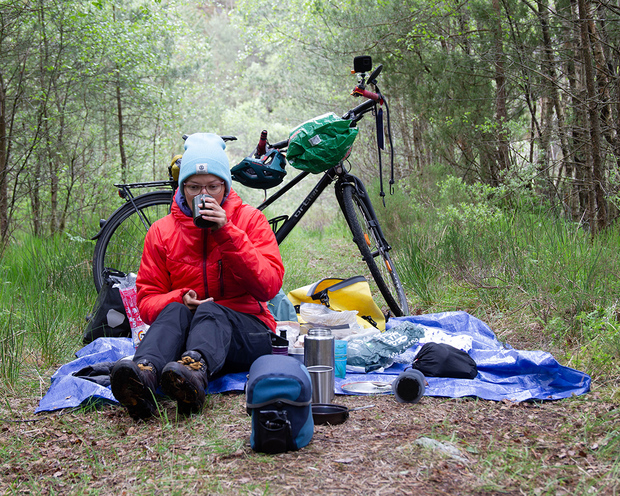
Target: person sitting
[(202, 290)]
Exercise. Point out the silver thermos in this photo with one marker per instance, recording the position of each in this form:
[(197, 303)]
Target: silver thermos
[(319, 350)]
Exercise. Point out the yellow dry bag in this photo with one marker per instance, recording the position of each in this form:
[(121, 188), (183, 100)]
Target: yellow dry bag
[(342, 295)]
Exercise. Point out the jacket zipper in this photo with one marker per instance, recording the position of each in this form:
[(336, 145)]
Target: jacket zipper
[(204, 262), (221, 270)]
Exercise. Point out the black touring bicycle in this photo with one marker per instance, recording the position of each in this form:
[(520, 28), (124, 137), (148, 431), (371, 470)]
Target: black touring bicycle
[(121, 237)]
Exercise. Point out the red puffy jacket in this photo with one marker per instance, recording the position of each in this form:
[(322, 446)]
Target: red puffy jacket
[(238, 265)]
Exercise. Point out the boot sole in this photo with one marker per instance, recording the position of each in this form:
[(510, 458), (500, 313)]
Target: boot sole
[(128, 389), (189, 399)]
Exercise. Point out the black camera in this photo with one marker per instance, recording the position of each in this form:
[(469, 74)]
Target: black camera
[(362, 63), (197, 205)]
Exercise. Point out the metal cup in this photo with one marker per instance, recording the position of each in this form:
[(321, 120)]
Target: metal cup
[(321, 377), (319, 350), (199, 204), (319, 347)]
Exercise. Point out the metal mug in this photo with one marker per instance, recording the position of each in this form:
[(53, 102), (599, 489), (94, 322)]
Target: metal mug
[(319, 351), (321, 378), (199, 204)]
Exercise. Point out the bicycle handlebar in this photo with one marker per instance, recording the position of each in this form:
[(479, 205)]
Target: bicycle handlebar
[(280, 144), (357, 91), (224, 138), (356, 113)]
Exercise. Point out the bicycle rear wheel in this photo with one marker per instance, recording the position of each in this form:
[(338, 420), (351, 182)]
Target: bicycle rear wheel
[(121, 240), (375, 251)]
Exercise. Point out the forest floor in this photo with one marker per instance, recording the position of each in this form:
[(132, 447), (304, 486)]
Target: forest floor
[(478, 448)]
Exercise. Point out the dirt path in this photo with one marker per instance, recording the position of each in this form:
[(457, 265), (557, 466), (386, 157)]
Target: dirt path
[(481, 447)]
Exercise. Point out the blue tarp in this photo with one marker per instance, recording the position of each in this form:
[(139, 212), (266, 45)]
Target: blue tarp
[(503, 372)]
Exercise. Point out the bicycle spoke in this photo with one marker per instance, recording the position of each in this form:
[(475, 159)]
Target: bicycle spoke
[(121, 240), (366, 234)]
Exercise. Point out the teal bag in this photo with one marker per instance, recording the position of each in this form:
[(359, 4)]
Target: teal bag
[(278, 397), (281, 308), (320, 143)]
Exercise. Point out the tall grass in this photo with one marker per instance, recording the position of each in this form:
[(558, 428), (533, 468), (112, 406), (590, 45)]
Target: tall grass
[(488, 249), (46, 292)]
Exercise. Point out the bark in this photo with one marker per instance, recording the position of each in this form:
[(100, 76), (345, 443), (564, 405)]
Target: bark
[(551, 82), (35, 184), (121, 135), (4, 142), (502, 161), (543, 163), (603, 80), (599, 220), (417, 160), (119, 115), (577, 163)]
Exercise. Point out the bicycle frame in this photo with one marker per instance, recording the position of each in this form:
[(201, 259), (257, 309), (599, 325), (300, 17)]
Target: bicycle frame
[(336, 173)]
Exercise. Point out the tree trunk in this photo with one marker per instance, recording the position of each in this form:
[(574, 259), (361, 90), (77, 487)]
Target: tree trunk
[(548, 68), (577, 162), (119, 115), (503, 153), (4, 201), (51, 151), (42, 151), (121, 138), (599, 220)]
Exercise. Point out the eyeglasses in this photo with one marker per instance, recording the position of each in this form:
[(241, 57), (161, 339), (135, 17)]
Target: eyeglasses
[(212, 189)]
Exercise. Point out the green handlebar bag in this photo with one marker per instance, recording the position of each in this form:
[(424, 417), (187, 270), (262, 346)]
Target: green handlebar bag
[(320, 143)]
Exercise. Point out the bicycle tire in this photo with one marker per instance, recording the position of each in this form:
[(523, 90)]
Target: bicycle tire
[(121, 240), (367, 236)]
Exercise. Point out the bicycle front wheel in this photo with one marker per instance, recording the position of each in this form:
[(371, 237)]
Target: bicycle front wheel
[(121, 240), (375, 251)]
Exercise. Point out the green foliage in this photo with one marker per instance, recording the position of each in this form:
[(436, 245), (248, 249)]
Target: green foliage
[(68, 68), (46, 293), (494, 251), (418, 269), (599, 345), (469, 208)]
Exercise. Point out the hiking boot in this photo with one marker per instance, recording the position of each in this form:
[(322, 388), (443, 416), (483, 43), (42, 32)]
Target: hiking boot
[(186, 382), (133, 385)]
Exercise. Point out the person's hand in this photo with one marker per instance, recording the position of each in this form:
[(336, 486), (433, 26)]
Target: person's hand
[(214, 212), (191, 301)]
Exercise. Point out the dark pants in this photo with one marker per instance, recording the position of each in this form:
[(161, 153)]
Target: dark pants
[(228, 340)]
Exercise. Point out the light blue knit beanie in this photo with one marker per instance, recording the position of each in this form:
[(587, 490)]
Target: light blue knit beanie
[(204, 154)]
